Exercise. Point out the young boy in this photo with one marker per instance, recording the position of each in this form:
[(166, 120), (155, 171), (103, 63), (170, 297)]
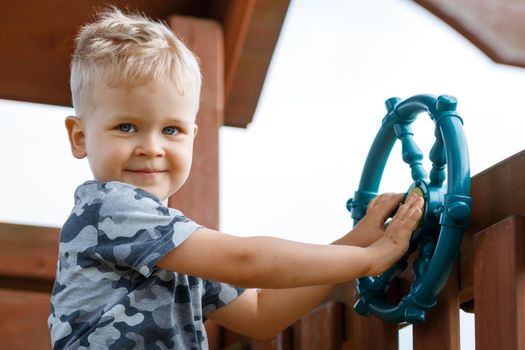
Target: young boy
[(133, 273)]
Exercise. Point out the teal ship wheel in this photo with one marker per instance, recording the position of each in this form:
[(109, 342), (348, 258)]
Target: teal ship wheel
[(447, 206)]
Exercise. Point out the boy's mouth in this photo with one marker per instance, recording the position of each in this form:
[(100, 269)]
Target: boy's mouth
[(146, 172)]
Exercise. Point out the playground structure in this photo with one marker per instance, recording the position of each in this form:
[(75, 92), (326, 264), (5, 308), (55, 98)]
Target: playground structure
[(488, 278)]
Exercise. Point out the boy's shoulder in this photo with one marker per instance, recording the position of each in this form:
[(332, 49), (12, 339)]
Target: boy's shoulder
[(95, 191), (119, 203), (110, 214), (115, 193)]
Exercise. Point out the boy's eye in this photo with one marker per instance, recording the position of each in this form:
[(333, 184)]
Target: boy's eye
[(170, 130), (126, 127)]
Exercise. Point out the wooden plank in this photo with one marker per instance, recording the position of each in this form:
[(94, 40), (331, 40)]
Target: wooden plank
[(23, 320), (497, 193), (442, 323), (234, 341), (371, 333), (344, 293), (246, 83), (28, 252), (495, 27), (214, 334), (365, 333), (323, 327), (499, 285), (236, 16), (199, 197), (283, 341)]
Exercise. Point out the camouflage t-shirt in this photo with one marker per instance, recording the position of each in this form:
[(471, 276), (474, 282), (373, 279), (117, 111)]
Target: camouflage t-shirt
[(108, 292)]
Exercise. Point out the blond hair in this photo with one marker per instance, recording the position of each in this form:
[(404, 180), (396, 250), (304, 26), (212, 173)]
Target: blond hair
[(132, 49)]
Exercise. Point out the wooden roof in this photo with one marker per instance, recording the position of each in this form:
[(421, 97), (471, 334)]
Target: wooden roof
[(36, 41), (496, 27)]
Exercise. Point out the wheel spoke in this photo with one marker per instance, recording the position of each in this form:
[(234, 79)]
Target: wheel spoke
[(412, 154), (438, 158)]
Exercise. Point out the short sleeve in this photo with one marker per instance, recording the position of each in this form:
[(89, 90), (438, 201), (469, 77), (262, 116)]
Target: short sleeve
[(135, 230), (218, 294)]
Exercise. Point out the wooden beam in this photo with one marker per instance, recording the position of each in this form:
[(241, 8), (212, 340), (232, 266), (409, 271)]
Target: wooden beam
[(499, 285), (247, 68), (497, 192), (323, 327), (28, 252), (236, 16), (373, 333), (199, 197), (495, 27), (23, 320), (442, 323), (283, 341)]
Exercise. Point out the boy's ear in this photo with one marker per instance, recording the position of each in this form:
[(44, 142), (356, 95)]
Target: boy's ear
[(77, 138), (195, 130)]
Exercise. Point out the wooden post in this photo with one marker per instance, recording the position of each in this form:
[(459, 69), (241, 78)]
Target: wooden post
[(499, 285), (23, 321), (199, 197), (442, 323), (323, 328), (28, 258), (283, 341), (372, 333)]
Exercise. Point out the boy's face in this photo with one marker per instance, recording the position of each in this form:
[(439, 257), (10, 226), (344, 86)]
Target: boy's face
[(142, 135)]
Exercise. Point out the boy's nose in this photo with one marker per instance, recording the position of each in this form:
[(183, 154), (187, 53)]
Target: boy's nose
[(150, 147)]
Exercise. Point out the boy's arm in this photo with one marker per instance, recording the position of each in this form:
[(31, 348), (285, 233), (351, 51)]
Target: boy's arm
[(262, 314), (265, 262)]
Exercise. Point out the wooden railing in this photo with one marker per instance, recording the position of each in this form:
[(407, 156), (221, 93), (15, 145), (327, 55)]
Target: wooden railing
[(488, 280), (28, 258)]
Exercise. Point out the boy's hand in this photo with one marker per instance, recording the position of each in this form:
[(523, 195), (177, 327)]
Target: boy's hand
[(388, 249), (372, 225)]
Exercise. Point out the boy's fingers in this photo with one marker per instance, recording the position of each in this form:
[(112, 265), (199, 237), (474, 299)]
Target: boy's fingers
[(386, 199), (385, 204), (418, 202), (414, 201), (373, 201), (412, 197), (411, 209)]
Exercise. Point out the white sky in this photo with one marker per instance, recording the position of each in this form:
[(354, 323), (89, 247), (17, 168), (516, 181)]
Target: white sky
[(291, 171)]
